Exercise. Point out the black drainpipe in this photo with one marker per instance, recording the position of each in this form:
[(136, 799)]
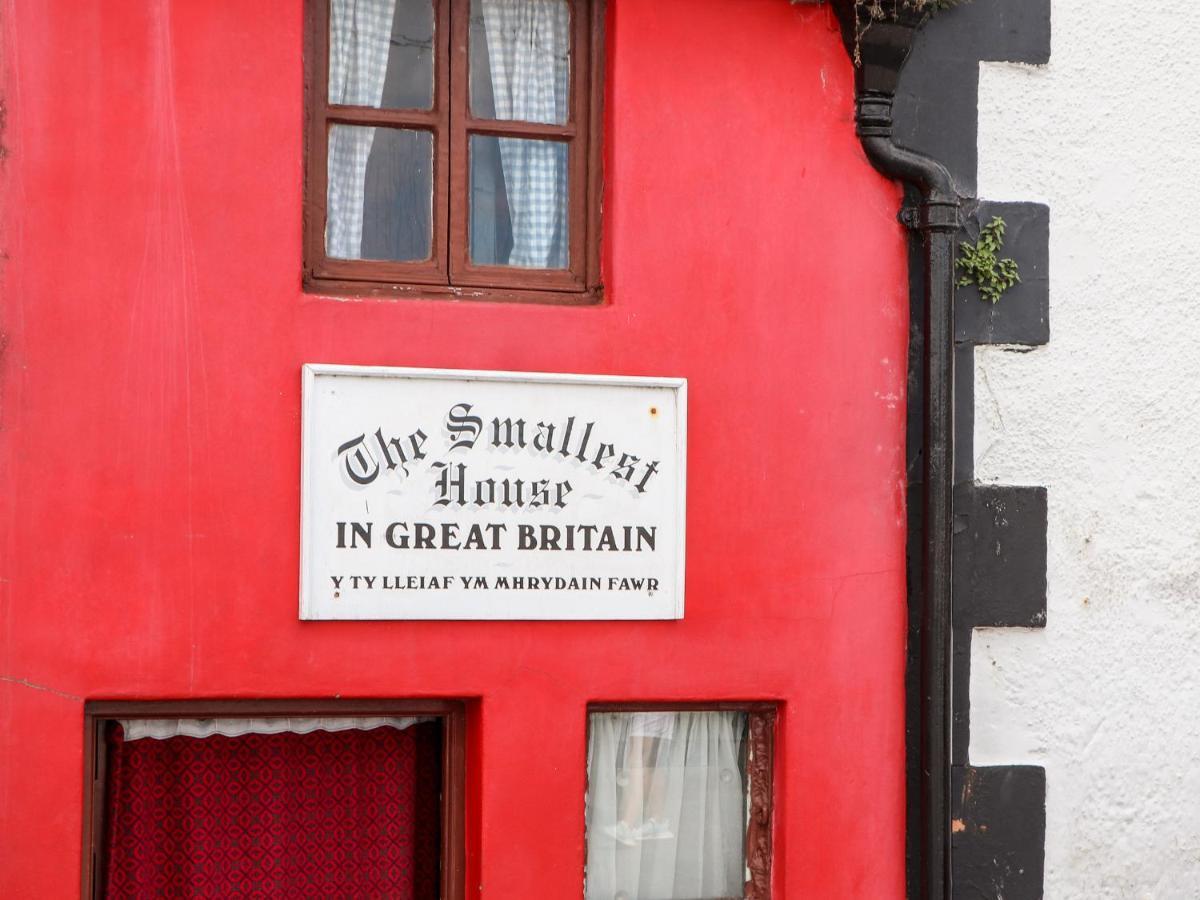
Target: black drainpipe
[(882, 48)]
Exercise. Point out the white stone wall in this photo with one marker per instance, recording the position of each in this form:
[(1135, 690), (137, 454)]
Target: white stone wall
[(1107, 416)]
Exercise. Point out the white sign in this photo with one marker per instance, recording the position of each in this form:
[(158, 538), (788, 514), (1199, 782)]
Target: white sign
[(440, 494)]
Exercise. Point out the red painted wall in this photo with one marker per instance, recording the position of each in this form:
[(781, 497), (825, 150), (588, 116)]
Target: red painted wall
[(150, 404)]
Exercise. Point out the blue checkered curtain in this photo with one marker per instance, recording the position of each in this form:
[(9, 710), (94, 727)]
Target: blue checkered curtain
[(360, 33), (529, 47)]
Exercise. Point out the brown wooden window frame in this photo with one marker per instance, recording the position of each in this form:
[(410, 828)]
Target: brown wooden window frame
[(449, 273), (99, 713), (761, 719)]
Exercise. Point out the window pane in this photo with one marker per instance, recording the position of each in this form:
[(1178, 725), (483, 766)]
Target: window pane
[(521, 60), (519, 202), (666, 805), (381, 53), (380, 199)]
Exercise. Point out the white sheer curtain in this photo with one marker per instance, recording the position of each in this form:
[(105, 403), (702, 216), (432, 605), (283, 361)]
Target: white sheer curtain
[(360, 34), (529, 55), (161, 729), (666, 806)]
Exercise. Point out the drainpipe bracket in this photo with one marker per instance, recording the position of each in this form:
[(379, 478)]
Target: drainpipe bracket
[(940, 214), (873, 115), (932, 215)]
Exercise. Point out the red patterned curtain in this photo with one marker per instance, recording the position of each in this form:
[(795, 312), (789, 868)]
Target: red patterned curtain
[(345, 814)]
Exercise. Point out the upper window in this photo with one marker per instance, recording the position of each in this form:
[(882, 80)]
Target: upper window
[(453, 147)]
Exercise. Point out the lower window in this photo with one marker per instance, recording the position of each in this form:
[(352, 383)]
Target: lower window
[(679, 803), (274, 800)]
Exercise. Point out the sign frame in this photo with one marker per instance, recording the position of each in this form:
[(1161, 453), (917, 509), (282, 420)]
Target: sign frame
[(311, 372)]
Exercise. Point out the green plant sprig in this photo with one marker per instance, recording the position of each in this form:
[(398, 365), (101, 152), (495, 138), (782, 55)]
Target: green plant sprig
[(982, 266)]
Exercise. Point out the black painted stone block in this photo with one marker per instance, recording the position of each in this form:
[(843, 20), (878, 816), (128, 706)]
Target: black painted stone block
[(1022, 315), (999, 556), (998, 30), (999, 832), (936, 108), (964, 414), (960, 689)]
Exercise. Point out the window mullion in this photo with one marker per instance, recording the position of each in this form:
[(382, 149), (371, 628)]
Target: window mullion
[(456, 226), (443, 155)]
